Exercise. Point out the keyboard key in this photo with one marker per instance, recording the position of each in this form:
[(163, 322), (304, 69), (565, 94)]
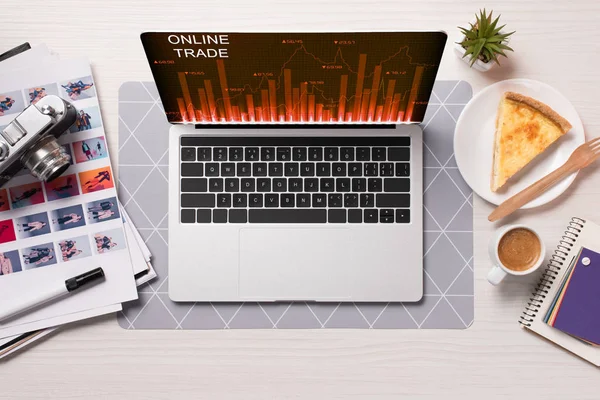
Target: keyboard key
[(350, 200), (396, 185), (303, 200), (315, 154), (386, 216), (219, 216), (363, 154), (228, 169), (370, 169), (188, 154), (347, 154), (275, 169), (319, 200), (236, 154), (255, 200), (386, 169), (311, 185), (204, 154), (359, 184), (370, 215), (336, 216), (334, 200), (355, 169), (299, 154), (259, 169), (283, 154), (263, 185), (375, 185), (399, 154), (327, 184), (339, 169), (279, 185), (393, 200), (402, 169), (204, 216), (307, 169), (238, 216), (251, 154), (232, 185), (271, 200), (191, 169), (198, 200), (323, 169), (248, 185), (240, 200), (287, 200), (295, 185), (331, 153), (281, 216), (193, 184), (188, 216), (220, 154), (215, 184), (355, 216), (224, 200), (342, 184), (291, 169), (367, 200), (378, 154), (244, 169), (267, 154), (403, 216), (212, 169)]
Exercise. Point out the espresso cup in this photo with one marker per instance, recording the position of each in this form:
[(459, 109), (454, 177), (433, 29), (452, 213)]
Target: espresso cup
[(515, 250)]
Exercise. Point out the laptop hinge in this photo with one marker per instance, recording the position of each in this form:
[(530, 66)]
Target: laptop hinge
[(295, 126)]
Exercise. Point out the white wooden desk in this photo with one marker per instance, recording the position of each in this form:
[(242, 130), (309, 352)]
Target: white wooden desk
[(556, 42)]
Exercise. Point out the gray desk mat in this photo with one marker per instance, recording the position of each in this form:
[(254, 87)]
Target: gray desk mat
[(448, 238)]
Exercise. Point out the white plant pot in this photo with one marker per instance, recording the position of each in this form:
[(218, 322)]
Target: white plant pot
[(479, 65)]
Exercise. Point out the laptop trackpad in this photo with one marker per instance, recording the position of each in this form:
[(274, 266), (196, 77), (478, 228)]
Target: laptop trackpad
[(294, 263)]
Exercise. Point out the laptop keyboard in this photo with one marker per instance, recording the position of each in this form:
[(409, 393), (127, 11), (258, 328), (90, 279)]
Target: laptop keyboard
[(301, 180)]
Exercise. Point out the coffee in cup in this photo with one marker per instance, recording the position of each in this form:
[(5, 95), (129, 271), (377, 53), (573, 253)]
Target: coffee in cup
[(519, 249), (515, 250)]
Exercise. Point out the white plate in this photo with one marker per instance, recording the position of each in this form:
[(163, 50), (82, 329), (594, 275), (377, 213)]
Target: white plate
[(474, 142)]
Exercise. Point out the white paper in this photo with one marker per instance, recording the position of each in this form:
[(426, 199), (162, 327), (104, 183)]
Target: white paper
[(96, 229), (138, 250), (32, 57)]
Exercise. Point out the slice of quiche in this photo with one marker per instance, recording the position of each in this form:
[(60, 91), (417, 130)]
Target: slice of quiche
[(525, 128)]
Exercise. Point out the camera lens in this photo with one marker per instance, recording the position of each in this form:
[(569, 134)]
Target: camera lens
[(46, 160)]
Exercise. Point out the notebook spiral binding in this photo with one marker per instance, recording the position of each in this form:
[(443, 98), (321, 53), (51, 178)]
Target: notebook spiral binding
[(553, 267)]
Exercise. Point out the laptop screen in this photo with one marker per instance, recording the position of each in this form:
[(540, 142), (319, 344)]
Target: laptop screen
[(369, 77)]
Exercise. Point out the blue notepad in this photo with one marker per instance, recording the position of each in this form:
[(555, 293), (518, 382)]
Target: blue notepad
[(576, 308)]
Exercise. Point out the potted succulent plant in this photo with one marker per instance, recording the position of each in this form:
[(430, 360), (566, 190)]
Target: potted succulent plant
[(483, 41)]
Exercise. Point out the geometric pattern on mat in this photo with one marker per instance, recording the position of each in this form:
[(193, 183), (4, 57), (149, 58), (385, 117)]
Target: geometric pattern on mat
[(448, 233)]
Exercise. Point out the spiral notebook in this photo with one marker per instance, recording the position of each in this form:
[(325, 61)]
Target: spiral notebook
[(579, 233)]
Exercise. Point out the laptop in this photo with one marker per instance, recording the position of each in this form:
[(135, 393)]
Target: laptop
[(295, 163)]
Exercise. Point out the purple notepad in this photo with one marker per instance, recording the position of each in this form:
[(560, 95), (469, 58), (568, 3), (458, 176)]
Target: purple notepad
[(579, 313)]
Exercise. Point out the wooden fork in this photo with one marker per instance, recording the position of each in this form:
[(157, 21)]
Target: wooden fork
[(583, 156)]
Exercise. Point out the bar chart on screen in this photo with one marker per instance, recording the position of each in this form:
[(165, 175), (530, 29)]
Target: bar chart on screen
[(377, 77)]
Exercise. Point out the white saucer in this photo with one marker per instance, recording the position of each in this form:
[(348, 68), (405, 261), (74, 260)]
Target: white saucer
[(474, 142)]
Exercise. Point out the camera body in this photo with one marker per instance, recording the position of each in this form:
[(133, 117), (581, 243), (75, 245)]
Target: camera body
[(30, 140)]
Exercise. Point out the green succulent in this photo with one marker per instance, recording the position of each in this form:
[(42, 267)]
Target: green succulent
[(483, 39)]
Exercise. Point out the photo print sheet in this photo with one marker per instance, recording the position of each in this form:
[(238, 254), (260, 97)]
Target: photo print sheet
[(54, 231)]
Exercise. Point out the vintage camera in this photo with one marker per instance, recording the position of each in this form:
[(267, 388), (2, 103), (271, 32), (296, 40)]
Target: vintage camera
[(30, 140)]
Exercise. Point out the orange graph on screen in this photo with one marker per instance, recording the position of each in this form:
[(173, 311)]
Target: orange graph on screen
[(306, 85)]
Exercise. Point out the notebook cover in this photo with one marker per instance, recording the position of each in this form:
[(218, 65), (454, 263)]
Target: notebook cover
[(578, 313)]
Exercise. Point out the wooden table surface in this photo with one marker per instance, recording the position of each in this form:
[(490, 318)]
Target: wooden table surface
[(556, 42)]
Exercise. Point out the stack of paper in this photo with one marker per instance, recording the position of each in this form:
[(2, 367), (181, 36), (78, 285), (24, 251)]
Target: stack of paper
[(53, 231), (574, 310)]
